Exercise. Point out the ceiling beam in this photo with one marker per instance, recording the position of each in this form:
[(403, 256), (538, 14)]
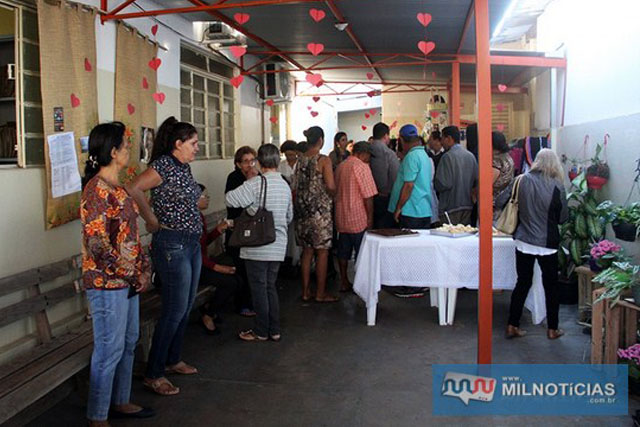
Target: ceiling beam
[(351, 67), (203, 8), (340, 18), (467, 22)]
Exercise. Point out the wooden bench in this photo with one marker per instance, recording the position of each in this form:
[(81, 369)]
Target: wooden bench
[(612, 328)]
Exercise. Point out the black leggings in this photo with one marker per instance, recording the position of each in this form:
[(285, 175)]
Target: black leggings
[(227, 286), (524, 266)]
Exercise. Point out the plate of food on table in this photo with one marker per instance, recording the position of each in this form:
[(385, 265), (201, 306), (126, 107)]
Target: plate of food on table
[(457, 230)]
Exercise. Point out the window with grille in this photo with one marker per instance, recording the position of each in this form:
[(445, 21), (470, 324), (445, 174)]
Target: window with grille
[(207, 100)]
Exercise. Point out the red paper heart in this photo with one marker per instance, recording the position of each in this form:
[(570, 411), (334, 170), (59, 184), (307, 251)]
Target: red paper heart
[(500, 107), (273, 119), (370, 76), (317, 14), (373, 111), (154, 64), (145, 83), (500, 127), (316, 98), (394, 124), (238, 51), (241, 18), (424, 18), (131, 109), (87, 65), (434, 114), (502, 88), (371, 93), (237, 81), (366, 115), (309, 107), (269, 102), (426, 47), (315, 48), (154, 29), (314, 79), (363, 127), (75, 101), (159, 97), (314, 113)]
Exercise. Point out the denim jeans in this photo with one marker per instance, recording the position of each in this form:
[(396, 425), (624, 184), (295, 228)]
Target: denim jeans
[(115, 334), (262, 280), (177, 261)]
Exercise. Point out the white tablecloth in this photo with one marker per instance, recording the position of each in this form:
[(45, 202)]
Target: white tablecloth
[(436, 261)]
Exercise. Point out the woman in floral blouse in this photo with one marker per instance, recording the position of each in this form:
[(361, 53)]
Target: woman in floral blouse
[(176, 226), (114, 270)]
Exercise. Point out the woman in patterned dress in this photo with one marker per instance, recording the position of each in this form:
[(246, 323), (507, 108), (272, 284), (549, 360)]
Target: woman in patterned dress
[(114, 270), (502, 168), (176, 226), (313, 212)]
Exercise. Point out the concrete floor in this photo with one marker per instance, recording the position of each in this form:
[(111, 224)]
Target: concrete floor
[(330, 369)]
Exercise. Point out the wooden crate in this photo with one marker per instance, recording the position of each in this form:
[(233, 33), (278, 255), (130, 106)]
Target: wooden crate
[(612, 328)]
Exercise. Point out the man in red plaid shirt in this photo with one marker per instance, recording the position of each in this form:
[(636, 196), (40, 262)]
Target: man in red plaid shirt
[(355, 189)]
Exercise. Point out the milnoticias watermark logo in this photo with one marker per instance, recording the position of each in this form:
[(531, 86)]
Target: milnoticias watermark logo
[(530, 389)]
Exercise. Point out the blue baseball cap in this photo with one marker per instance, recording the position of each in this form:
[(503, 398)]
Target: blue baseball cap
[(408, 131)]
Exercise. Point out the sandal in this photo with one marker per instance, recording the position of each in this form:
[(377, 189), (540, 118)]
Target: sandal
[(181, 368), (161, 386), (275, 337), (250, 336)]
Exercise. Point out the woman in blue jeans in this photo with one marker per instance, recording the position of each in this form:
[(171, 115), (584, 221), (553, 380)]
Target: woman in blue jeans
[(114, 270), (176, 226)]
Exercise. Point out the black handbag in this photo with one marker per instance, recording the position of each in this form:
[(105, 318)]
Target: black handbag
[(254, 230)]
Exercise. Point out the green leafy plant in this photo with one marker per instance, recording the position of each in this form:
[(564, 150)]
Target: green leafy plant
[(598, 167), (616, 214), (621, 276)]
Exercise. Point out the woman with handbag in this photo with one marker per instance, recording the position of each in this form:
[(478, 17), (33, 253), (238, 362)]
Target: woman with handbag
[(263, 246), (176, 226), (541, 205)]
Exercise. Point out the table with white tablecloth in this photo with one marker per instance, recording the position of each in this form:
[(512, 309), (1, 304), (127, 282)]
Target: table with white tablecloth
[(444, 264)]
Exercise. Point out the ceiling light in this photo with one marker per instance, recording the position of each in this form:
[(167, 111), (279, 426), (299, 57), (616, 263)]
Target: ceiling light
[(341, 26)]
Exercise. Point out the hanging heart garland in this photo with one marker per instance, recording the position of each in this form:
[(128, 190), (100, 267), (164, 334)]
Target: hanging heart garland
[(317, 14)]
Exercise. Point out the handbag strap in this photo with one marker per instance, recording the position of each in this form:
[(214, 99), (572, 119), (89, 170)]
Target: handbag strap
[(516, 189), (262, 199)]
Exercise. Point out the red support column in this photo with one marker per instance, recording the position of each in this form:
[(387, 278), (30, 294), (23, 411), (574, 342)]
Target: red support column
[(454, 99), (485, 194)]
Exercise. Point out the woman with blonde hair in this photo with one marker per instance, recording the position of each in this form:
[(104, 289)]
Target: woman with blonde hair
[(542, 208)]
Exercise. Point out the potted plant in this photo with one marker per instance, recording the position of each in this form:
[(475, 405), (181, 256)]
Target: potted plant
[(620, 277), (631, 356), (603, 254), (625, 220), (598, 171)]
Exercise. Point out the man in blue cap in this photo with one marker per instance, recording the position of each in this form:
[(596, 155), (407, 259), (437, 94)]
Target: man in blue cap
[(410, 199)]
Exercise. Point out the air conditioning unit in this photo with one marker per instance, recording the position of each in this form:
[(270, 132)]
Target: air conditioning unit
[(218, 34), (277, 86)]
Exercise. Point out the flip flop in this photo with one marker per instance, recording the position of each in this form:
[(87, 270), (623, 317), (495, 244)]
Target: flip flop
[(183, 370), (251, 336), (157, 384)]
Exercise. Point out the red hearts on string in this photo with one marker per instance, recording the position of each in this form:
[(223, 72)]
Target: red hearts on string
[(424, 18), (500, 127), (75, 101), (371, 93), (435, 114), (87, 65), (500, 107), (269, 102), (131, 109), (426, 47), (238, 51), (366, 115), (154, 64), (154, 29), (273, 119), (394, 124), (373, 111), (370, 76), (241, 18), (502, 88), (317, 14), (159, 97), (237, 81), (145, 83), (314, 79), (316, 98), (314, 113), (315, 48), (363, 127)]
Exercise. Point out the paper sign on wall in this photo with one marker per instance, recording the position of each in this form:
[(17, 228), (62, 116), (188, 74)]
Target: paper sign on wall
[(65, 178)]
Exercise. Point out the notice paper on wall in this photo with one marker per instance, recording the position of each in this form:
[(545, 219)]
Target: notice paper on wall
[(65, 178)]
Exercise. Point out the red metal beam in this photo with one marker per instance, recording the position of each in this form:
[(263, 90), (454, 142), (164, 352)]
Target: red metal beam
[(340, 18), (204, 8), (467, 22), (454, 99), (103, 5), (485, 196), (366, 93), (259, 63), (349, 67), (118, 9)]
